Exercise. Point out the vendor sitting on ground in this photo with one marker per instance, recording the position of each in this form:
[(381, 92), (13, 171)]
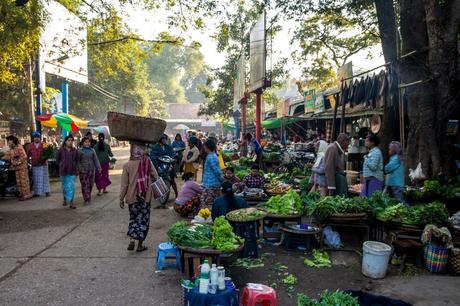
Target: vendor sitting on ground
[(227, 203), (229, 175), (254, 179), (188, 199)]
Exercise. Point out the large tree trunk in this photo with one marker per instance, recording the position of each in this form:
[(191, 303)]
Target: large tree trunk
[(421, 145), (388, 36), (442, 23)]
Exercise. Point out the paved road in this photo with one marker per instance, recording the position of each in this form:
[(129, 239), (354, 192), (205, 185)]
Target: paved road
[(51, 255)]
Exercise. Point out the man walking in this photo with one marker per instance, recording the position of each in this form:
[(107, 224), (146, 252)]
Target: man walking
[(335, 166)]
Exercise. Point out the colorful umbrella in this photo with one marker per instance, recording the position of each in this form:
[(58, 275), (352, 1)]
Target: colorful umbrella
[(68, 122)]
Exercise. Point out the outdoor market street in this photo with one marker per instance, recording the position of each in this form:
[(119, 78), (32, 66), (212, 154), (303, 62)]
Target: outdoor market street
[(50, 255)]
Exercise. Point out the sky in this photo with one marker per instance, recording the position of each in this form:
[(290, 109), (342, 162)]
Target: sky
[(149, 24)]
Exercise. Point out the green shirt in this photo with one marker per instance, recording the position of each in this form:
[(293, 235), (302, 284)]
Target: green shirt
[(103, 156)]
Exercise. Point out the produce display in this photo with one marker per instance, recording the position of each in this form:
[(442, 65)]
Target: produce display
[(331, 205), (223, 237), (204, 213), (241, 174), (327, 298), (204, 236), (245, 215), (287, 204), (195, 236), (279, 188)]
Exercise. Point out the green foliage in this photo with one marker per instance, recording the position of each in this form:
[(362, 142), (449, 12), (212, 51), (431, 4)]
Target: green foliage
[(198, 236), (287, 204), (330, 205), (290, 280), (223, 237), (320, 260), (327, 298)]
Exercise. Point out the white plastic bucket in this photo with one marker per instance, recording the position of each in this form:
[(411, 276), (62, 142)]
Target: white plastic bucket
[(376, 256)]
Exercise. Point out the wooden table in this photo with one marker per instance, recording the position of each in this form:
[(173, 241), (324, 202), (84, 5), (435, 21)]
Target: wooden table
[(191, 258)]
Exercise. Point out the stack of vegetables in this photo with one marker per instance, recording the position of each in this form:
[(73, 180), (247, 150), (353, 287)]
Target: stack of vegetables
[(387, 209), (442, 188), (331, 205), (245, 215), (219, 236), (287, 204), (337, 298)]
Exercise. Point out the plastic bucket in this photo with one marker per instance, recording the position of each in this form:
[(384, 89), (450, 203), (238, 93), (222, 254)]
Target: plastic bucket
[(376, 256)]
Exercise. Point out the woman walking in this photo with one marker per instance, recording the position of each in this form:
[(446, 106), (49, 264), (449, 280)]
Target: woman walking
[(104, 153), (191, 157), (18, 158), (67, 159), (372, 167), (212, 175), (394, 170), (138, 174), (318, 177), (88, 165), (39, 166)]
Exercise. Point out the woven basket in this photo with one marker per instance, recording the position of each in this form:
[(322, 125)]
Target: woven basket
[(436, 258), (454, 260), (129, 127)]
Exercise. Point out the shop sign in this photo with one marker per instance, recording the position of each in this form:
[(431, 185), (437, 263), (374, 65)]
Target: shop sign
[(319, 103), (309, 98)]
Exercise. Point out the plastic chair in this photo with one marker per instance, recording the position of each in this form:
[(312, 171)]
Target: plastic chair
[(164, 249), (251, 297)]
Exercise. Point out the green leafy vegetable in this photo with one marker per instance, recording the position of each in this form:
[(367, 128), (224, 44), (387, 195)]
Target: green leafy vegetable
[(290, 280), (320, 260), (287, 204), (196, 236), (223, 237), (337, 298), (245, 214)]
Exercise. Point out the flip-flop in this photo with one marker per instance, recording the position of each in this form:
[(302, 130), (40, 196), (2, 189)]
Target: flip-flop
[(142, 249), (131, 246)]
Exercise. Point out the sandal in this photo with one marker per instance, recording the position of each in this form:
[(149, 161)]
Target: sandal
[(131, 246), (141, 249)]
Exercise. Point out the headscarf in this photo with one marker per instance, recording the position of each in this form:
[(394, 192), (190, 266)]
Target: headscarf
[(101, 143), (321, 151), (396, 147), (145, 166)]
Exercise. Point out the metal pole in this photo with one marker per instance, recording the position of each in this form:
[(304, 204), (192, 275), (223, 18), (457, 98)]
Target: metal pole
[(243, 116), (38, 94), (65, 103), (258, 114), (334, 119), (342, 100), (31, 105)]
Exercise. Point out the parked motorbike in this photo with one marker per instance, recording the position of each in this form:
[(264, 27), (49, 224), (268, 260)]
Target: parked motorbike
[(165, 167), (8, 185)]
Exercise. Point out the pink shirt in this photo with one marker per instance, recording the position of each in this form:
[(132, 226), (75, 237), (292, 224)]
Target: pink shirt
[(188, 191)]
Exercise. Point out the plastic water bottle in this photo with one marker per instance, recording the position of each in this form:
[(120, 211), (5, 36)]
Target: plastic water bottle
[(214, 275), (221, 277), (204, 277)]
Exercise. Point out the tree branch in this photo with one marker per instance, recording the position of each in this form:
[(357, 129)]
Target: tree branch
[(125, 38)]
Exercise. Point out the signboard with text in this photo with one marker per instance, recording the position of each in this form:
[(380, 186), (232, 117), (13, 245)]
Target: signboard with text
[(309, 98), (257, 55)]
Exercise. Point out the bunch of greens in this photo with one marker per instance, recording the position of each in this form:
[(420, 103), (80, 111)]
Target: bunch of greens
[(379, 201), (196, 236), (320, 260), (433, 213), (337, 298), (223, 237), (287, 204), (330, 205), (305, 171), (245, 215), (305, 185), (310, 198), (241, 174), (290, 280), (395, 212), (245, 161), (432, 186)]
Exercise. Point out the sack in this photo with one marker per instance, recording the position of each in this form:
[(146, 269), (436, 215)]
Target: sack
[(159, 188), (331, 238), (416, 174)]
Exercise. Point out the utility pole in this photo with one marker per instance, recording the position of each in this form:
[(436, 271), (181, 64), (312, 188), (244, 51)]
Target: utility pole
[(31, 102), (65, 103)]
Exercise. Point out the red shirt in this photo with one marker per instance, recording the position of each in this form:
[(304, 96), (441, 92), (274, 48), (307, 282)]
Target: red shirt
[(35, 152)]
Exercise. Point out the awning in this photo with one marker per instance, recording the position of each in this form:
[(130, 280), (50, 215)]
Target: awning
[(276, 123)]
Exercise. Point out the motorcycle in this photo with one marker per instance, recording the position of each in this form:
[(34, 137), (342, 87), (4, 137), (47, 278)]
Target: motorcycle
[(8, 185), (165, 166)]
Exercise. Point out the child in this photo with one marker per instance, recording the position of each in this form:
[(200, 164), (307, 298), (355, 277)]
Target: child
[(254, 179)]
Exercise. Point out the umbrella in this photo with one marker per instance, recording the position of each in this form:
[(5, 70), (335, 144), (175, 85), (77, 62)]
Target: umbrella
[(68, 122), (103, 129), (181, 127)]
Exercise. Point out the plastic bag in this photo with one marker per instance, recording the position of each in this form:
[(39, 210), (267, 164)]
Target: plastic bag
[(331, 238), (416, 174)]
